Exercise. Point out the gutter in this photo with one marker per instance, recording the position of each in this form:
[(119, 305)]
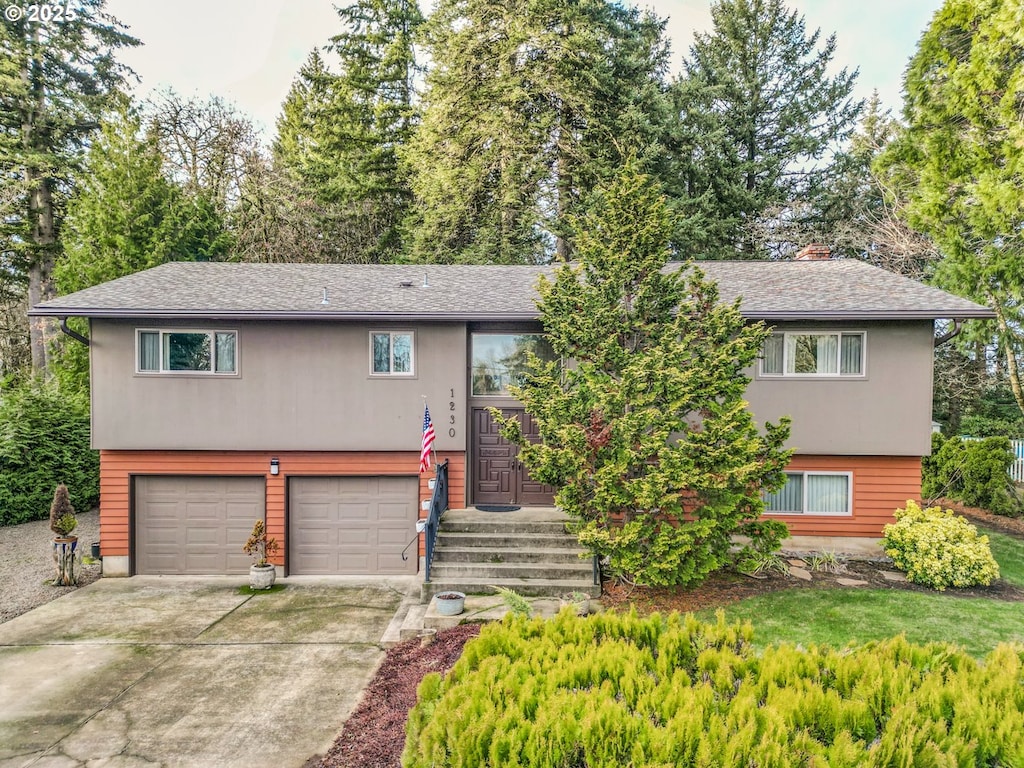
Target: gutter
[(248, 314), (73, 334), (951, 334)]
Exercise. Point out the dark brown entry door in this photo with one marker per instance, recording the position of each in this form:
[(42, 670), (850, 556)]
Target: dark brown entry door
[(499, 476)]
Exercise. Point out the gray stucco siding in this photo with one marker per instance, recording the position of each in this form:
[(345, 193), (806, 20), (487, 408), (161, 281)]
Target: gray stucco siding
[(300, 386), (887, 412)]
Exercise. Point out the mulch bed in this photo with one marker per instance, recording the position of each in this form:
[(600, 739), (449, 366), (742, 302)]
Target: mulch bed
[(374, 735)]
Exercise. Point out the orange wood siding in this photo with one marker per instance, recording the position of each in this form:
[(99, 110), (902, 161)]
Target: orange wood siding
[(117, 467), (881, 484)]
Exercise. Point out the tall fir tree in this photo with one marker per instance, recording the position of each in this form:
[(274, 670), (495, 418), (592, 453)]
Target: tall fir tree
[(773, 120), (339, 134), (527, 106), (961, 160), (56, 78), (646, 436), (126, 217)]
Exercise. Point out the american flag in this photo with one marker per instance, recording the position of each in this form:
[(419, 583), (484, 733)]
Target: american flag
[(428, 440)]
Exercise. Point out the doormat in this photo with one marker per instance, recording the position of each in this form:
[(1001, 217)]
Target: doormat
[(497, 507)]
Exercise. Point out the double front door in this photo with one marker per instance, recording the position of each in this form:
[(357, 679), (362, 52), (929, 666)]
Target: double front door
[(499, 477)]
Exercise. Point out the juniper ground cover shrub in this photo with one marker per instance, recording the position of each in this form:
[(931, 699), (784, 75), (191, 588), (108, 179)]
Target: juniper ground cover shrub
[(619, 690), (939, 549)]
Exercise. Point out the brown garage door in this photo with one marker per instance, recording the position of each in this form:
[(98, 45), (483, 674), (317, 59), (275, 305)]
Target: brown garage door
[(352, 525), (195, 525)]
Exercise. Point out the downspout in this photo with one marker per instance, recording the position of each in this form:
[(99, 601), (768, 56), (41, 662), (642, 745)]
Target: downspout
[(949, 335), (73, 334)]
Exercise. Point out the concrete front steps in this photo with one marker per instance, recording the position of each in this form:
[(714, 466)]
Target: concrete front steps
[(526, 550)]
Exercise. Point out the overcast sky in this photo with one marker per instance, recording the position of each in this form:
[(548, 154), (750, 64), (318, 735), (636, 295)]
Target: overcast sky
[(248, 51)]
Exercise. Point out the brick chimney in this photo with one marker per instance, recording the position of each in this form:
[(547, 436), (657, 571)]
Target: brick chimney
[(814, 252)]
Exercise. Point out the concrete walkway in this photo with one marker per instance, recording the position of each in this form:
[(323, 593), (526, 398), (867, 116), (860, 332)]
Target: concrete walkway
[(177, 671)]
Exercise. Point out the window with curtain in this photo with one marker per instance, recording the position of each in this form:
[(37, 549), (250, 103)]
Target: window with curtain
[(192, 351), (813, 354), (391, 353), (812, 493)]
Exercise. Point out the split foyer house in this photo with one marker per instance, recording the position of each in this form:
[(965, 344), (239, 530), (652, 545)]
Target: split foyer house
[(223, 393)]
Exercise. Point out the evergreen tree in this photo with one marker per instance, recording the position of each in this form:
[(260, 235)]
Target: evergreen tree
[(339, 135), (646, 436), (527, 106), (961, 160), (126, 217), (774, 117), (56, 78)]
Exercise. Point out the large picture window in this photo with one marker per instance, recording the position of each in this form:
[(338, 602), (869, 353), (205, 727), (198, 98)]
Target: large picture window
[(813, 354), (191, 351), (391, 353), (812, 493), (501, 360)]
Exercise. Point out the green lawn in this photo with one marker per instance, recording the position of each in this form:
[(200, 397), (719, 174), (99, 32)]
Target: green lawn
[(1009, 553), (841, 616)]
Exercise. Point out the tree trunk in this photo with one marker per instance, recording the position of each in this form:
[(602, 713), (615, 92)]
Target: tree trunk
[(1012, 366), (40, 272)]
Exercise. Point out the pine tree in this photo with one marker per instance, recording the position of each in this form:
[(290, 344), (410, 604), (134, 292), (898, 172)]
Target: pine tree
[(528, 105), (961, 159), (56, 78), (646, 436), (773, 116)]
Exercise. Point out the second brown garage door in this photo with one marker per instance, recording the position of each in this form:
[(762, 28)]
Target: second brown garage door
[(352, 525)]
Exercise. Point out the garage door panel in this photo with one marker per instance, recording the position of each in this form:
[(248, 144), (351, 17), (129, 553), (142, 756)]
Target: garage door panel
[(195, 525), (351, 525)]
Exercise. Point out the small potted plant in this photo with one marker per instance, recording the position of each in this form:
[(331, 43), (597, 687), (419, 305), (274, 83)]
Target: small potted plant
[(450, 603), (65, 546), (259, 546)]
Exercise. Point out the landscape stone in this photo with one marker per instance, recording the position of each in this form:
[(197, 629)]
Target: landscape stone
[(797, 563), (852, 582), (800, 573), (893, 576)]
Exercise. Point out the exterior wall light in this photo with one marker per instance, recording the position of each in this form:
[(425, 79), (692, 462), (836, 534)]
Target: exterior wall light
[(275, 467)]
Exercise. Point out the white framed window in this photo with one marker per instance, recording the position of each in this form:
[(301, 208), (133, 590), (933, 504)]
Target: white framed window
[(192, 351), (814, 353), (391, 353), (812, 493)]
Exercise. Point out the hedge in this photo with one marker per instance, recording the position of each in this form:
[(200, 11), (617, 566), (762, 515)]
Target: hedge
[(975, 472), (44, 441), (619, 690)]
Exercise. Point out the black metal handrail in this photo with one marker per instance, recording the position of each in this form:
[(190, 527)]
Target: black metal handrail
[(438, 504)]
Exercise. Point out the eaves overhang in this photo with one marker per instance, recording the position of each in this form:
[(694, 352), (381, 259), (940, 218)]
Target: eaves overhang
[(191, 314), (321, 315), (845, 315)]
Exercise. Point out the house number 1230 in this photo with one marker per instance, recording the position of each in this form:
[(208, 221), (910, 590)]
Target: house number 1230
[(451, 416)]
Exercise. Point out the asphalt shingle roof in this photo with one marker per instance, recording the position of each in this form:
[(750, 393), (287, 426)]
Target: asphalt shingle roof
[(771, 290)]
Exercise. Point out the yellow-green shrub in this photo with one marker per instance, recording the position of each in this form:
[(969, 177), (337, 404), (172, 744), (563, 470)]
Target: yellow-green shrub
[(619, 690), (939, 549)]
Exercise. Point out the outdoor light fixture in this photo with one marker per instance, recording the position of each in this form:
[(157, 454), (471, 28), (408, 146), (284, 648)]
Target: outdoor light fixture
[(275, 466)]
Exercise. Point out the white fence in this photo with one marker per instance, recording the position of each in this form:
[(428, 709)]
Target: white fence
[(1017, 468)]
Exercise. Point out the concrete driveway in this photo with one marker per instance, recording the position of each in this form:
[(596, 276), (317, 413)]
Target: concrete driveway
[(169, 671)]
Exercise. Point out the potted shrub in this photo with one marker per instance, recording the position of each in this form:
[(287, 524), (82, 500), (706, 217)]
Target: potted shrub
[(259, 546), (65, 546)]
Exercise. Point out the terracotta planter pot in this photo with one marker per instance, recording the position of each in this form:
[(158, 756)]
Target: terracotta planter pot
[(262, 576)]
